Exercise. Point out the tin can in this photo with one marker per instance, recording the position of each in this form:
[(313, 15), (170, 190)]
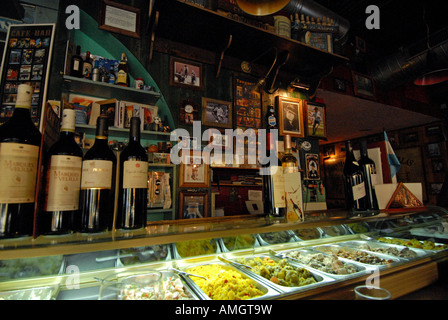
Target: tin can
[(139, 83)]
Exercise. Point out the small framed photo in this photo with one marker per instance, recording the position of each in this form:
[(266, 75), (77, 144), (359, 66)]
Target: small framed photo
[(186, 74), (435, 187), (434, 131), (437, 165), (188, 142), (194, 170), (189, 112), (119, 18), (220, 140), (363, 85), (315, 120), (339, 84), (216, 113), (290, 116), (312, 166), (433, 150), (193, 205)]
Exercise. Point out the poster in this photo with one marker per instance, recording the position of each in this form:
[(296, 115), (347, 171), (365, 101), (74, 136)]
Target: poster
[(26, 59), (247, 107)]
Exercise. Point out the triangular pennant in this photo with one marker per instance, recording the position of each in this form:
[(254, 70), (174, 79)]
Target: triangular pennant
[(403, 199)]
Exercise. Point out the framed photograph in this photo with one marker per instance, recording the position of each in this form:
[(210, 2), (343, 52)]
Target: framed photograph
[(216, 113), (315, 120), (437, 165), (220, 140), (193, 205), (433, 150), (194, 170), (339, 84), (410, 137), (119, 18), (363, 85), (188, 142), (435, 187), (434, 131), (186, 74), (189, 112), (312, 166), (247, 102), (291, 116)]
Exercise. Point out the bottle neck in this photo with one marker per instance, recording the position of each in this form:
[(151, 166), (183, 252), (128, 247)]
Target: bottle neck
[(21, 113)]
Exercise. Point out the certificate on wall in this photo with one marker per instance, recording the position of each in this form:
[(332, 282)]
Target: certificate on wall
[(26, 59)]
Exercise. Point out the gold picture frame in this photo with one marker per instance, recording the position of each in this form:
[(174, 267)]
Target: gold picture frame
[(119, 18), (216, 113), (194, 170), (290, 111)]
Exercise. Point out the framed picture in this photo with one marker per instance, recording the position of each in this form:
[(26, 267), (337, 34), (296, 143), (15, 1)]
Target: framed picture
[(339, 84), (315, 120), (433, 150), (312, 166), (193, 205), (216, 113), (363, 85), (435, 187), (220, 140), (120, 18), (437, 165), (194, 170), (188, 142), (189, 111), (247, 102), (186, 74), (290, 116), (434, 131)]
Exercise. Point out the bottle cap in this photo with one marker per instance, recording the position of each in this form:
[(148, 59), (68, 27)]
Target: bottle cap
[(24, 94), (68, 120), (102, 127)]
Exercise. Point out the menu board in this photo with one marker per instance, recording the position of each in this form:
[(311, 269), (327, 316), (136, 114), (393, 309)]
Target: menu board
[(26, 59)]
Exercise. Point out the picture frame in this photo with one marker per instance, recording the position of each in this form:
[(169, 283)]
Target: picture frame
[(433, 150), (194, 170), (312, 166), (363, 86), (186, 74), (189, 112), (193, 205), (315, 119), (119, 18), (247, 102), (435, 187), (220, 140), (339, 84), (437, 165), (216, 113), (290, 112)]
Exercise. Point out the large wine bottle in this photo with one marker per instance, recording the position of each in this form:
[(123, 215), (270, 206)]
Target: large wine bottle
[(20, 142), (97, 183), (355, 192), (133, 184), (369, 170), (63, 180)]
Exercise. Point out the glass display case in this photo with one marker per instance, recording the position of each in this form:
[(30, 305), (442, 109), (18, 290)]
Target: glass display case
[(276, 260)]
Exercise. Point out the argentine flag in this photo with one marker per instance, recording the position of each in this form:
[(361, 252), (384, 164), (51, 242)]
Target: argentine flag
[(394, 164)]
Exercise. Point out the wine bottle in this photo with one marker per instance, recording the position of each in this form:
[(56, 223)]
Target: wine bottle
[(63, 180), (133, 184), (289, 161), (274, 200), (355, 192), (123, 71), (369, 170), (76, 64), (20, 142), (97, 183), (87, 66)]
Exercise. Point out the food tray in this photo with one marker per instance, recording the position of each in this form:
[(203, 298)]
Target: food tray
[(317, 232), (187, 289), (176, 255), (379, 245), (39, 293), (269, 292), (360, 268), (335, 231), (266, 240), (332, 247), (152, 258), (32, 267), (320, 278), (244, 237), (358, 227), (405, 240)]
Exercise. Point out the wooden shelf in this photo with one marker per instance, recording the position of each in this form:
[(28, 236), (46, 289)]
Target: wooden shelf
[(206, 29)]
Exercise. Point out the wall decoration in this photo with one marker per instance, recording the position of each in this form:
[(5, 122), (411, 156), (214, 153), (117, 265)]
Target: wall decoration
[(193, 205), (189, 112), (194, 170), (26, 59), (290, 113), (315, 119), (247, 103), (339, 84), (216, 113), (119, 18), (312, 166), (433, 150), (363, 85), (411, 166), (186, 74)]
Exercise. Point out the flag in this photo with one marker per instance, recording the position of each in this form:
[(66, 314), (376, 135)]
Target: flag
[(394, 164)]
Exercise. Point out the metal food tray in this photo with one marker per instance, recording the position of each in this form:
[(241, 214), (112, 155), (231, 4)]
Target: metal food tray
[(404, 239), (376, 245), (342, 229), (328, 248), (176, 255), (321, 279), (292, 238), (225, 249), (24, 273), (38, 293), (119, 262), (187, 288), (319, 230), (269, 292), (361, 268)]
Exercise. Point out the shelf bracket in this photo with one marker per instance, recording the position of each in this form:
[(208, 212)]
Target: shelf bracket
[(153, 34), (229, 42)]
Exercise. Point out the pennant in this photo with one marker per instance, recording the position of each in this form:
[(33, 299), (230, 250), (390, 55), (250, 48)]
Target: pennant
[(394, 164)]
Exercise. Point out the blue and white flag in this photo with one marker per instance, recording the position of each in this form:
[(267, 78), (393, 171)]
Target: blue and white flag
[(394, 164)]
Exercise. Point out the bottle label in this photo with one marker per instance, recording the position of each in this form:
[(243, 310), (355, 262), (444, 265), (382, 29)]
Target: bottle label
[(278, 186), (76, 65), (290, 167), (96, 174), (272, 121), (135, 174), (122, 77), (359, 191), (63, 181), (87, 70), (18, 172)]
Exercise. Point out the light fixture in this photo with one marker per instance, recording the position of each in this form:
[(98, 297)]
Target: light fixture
[(261, 7)]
